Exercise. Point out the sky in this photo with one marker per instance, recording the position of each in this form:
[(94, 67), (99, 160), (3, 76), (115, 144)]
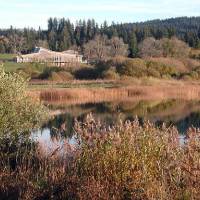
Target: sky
[(35, 13)]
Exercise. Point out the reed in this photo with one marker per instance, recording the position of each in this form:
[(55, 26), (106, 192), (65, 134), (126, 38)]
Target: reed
[(95, 95), (125, 161)]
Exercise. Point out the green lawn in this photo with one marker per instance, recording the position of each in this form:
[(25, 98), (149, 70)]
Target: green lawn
[(75, 85), (12, 66), (9, 63), (7, 57)]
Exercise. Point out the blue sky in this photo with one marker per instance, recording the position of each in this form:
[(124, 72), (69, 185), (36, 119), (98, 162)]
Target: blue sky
[(35, 13)]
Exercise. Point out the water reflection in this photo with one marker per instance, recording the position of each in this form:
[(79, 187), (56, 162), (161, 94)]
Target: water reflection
[(180, 113)]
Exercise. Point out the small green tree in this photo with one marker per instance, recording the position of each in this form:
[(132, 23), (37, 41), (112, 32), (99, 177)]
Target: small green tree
[(18, 113)]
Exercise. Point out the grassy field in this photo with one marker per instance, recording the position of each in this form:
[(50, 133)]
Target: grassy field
[(74, 84), (7, 57), (9, 64), (147, 81), (12, 66)]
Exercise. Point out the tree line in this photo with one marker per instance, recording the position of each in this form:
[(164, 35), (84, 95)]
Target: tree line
[(62, 34)]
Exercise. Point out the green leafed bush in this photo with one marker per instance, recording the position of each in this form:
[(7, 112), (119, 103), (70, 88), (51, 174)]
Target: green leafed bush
[(17, 112), (111, 74), (133, 67)]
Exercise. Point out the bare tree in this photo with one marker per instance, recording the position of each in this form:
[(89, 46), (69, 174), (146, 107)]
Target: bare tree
[(174, 48), (97, 49), (101, 48), (16, 43), (150, 47), (166, 47), (117, 47)]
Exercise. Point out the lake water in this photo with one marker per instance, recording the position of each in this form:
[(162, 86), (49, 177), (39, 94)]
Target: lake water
[(173, 112)]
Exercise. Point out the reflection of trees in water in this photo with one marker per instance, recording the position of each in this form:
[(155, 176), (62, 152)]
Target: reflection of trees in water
[(183, 114), (192, 120), (61, 126)]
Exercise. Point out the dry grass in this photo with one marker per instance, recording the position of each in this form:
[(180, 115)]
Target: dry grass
[(178, 64), (182, 65), (125, 161), (177, 90), (195, 53)]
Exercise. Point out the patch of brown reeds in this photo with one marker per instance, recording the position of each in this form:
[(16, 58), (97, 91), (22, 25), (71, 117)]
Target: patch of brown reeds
[(125, 161), (95, 95)]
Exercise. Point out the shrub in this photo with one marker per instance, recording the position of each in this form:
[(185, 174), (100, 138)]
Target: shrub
[(118, 60), (19, 115), (86, 73), (153, 72), (55, 77), (133, 162), (175, 48), (65, 76), (111, 74), (47, 72), (187, 77), (194, 75), (125, 161), (32, 70), (179, 64), (18, 112), (133, 67), (161, 68)]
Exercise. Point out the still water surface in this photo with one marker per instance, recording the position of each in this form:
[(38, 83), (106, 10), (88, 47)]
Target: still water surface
[(174, 112)]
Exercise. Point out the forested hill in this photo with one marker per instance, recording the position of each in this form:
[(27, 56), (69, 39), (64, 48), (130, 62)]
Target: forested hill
[(185, 28), (63, 34)]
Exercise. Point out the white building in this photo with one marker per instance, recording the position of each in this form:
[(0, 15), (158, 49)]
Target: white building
[(42, 55)]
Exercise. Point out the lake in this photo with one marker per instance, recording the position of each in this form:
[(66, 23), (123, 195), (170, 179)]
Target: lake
[(182, 113)]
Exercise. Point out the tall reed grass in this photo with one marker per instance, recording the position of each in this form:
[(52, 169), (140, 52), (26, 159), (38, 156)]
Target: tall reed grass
[(96, 95), (125, 161)]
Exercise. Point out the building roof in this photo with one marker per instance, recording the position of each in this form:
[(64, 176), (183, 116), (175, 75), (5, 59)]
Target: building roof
[(44, 53)]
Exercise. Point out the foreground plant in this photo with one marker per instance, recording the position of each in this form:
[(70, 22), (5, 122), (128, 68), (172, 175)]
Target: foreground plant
[(18, 113), (125, 161), (18, 116), (128, 161)]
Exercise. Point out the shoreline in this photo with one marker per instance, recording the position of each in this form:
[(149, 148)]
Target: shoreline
[(126, 92)]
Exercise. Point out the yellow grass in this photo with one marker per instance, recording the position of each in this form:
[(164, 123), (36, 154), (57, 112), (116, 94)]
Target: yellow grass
[(94, 95)]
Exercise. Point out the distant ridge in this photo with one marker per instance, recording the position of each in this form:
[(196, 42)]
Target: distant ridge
[(62, 34)]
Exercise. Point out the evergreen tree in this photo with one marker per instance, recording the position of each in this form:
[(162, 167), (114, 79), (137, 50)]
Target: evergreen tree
[(65, 41), (133, 46)]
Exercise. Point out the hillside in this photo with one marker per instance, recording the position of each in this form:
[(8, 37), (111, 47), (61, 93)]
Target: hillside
[(185, 28), (62, 34)]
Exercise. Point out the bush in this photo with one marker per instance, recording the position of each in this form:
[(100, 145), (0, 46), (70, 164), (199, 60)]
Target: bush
[(133, 67), (162, 69), (187, 77), (125, 161), (19, 115), (134, 162), (55, 77), (65, 76), (47, 72), (86, 73), (153, 72), (194, 75), (32, 70), (18, 112), (111, 74)]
